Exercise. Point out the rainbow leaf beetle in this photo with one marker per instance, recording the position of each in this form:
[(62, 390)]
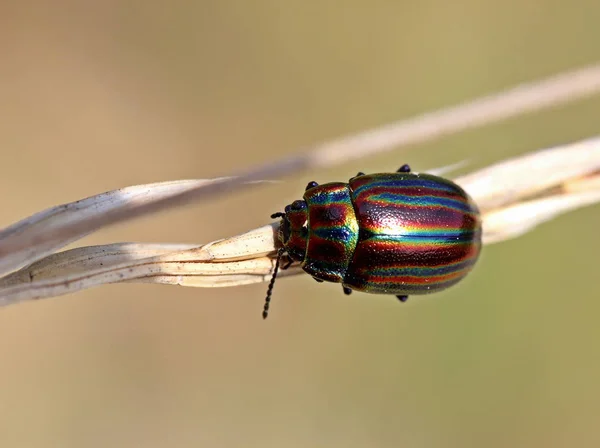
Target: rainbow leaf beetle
[(398, 233)]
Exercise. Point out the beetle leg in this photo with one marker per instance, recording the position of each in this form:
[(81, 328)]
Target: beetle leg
[(318, 280), (288, 264), (402, 298), (277, 215), (360, 173), (311, 184), (347, 290), (404, 169)]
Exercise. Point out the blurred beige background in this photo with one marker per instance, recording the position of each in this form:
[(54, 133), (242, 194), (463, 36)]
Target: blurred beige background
[(99, 95)]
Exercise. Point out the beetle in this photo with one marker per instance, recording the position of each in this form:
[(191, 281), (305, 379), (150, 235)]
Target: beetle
[(398, 233)]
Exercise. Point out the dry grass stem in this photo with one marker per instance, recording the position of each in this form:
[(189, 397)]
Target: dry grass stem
[(70, 215), (522, 99), (514, 196)]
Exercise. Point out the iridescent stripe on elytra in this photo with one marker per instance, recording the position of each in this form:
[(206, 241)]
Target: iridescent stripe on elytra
[(410, 190), (405, 180), (400, 288), (458, 258), (406, 265), (392, 196), (403, 204)]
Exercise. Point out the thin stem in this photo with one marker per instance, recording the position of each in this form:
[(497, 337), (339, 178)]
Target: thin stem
[(560, 89)]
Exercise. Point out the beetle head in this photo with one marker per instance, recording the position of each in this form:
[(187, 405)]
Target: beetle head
[(293, 230), (293, 235)]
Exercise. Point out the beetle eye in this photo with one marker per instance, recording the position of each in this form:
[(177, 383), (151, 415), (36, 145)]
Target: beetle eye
[(298, 205)]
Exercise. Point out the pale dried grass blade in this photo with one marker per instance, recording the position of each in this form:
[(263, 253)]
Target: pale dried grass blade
[(239, 260), (247, 258), (525, 176), (65, 215), (526, 98), (515, 220)]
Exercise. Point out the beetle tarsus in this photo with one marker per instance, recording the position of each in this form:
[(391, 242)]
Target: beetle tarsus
[(402, 298), (288, 264), (360, 173), (347, 290), (277, 215), (311, 184), (318, 280), (404, 168)]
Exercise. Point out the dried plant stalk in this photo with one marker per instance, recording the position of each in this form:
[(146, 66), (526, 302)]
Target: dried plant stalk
[(73, 213), (560, 89), (509, 182), (514, 197)]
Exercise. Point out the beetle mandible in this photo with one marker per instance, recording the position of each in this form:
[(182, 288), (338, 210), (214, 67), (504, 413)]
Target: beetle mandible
[(396, 233)]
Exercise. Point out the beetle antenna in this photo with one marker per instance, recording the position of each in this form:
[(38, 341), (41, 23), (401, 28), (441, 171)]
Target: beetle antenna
[(265, 312)]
